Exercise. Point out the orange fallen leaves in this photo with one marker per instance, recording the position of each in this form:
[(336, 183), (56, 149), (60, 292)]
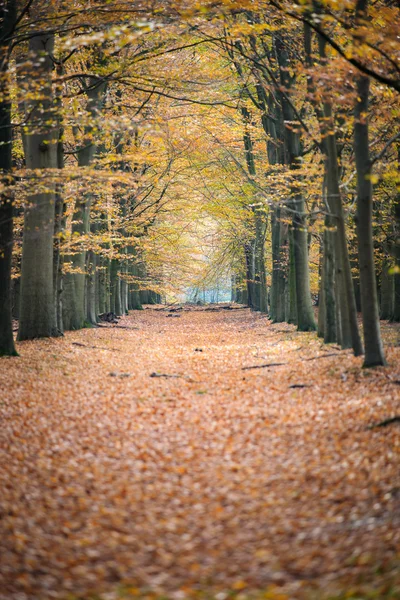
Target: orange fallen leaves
[(219, 479)]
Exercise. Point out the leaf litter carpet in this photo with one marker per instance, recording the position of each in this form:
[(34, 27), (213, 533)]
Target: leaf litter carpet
[(147, 456)]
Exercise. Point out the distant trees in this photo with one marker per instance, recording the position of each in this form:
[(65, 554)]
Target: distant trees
[(297, 82), (267, 158)]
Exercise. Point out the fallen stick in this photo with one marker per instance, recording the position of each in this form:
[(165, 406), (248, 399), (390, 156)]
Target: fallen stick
[(263, 366), (95, 347), (112, 326), (298, 385), (385, 422), (163, 375), (155, 374)]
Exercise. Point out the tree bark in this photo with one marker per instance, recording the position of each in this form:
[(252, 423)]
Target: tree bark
[(8, 15), (37, 317), (347, 333), (74, 305), (305, 313), (374, 354), (396, 251)]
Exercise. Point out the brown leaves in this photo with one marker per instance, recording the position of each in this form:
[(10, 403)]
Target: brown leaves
[(216, 479)]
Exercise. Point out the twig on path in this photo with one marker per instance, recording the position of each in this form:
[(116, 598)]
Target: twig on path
[(95, 347), (263, 366), (385, 422), (111, 326), (163, 375), (299, 385), (115, 374), (168, 375)]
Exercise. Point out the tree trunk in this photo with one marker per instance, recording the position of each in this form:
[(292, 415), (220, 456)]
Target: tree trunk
[(374, 355), (8, 18), (387, 290), (279, 259), (37, 318), (330, 329), (321, 293), (74, 313), (341, 296), (91, 316), (396, 251), (248, 251), (74, 309), (115, 305), (260, 274), (292, 310), (305, 313), (347, 327)]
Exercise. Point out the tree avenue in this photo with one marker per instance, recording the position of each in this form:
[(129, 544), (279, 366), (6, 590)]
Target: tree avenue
[(150, 150)]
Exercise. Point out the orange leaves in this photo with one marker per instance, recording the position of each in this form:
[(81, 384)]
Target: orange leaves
[(142, 486)]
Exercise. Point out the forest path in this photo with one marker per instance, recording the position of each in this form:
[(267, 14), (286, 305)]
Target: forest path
[(212, 476)]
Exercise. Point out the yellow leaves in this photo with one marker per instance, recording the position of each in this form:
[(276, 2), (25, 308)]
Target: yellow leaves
[(395, 270), (273, 593), (238, 585)]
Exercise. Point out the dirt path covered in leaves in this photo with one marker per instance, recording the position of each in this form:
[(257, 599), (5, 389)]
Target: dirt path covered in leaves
[(146, 456)]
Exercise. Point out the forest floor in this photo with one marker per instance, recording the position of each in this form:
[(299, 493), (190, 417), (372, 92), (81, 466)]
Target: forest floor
[(150, 459)]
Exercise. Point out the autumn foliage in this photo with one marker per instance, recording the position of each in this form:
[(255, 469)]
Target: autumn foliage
[(162, 457), (231, 169)]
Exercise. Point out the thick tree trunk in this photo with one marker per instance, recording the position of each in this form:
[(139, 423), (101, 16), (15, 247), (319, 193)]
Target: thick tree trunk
[(350, 335), (7, 347), (59, 220), (37, 317), (305, 313), (342, 294), (396, 251), (74, 305), (374, 354)]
